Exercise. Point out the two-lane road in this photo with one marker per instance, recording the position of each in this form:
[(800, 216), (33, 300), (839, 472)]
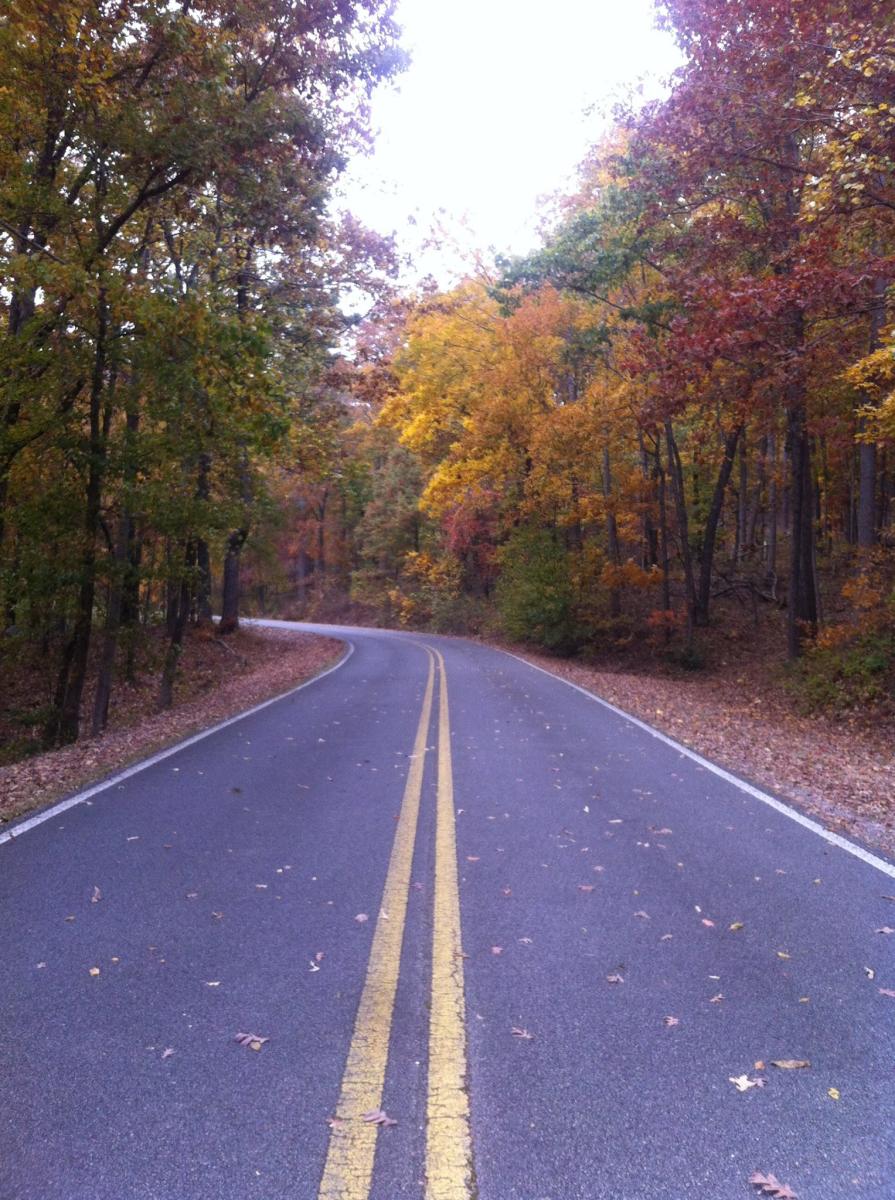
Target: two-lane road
[(453, 890)]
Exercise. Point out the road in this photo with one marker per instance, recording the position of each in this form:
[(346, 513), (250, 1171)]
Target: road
[(452, 889)]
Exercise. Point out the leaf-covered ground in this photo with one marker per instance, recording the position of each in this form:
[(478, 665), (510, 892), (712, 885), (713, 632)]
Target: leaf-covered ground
[(218, 678), (842, 773)]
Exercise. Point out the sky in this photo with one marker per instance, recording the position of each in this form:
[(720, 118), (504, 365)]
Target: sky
[(499, 105)]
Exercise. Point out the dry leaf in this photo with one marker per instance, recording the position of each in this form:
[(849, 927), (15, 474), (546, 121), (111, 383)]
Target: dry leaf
[(94, 970), (361, 918), (736, 926), (473, 857), (212, 983), (886, 992), (790, 1064), (507, 891), (313, 966), (770, 1185), (758, 1066), (96, 897), (709, 924), (615, 979), (585, 887), (834, 1093), (884, 929), (320, 956), (497, 949), (252, 1040), (666, 937), (783, 954), (378, 1117), (643, 915), (716, 999), (670, 1021), (522, 1033), (166, 1053), (525, 941)]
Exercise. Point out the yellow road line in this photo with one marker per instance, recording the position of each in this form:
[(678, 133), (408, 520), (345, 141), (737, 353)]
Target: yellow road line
[(352, 1145), (448, 1143)]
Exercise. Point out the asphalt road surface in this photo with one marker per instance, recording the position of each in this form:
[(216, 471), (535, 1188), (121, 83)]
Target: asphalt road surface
[(456, 893)]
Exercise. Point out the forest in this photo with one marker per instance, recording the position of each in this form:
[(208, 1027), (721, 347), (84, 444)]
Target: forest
[(675, 413)]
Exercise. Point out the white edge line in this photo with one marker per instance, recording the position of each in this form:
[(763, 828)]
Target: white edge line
[(833, 838), (13, 834)]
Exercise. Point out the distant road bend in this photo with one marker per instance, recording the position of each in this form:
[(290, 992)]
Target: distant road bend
[(492, 939)]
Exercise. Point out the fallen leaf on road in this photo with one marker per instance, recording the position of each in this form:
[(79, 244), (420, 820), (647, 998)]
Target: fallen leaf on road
[(758, 1066), (217, 915), (643, 915), (717, 998), (615, 979), (790, 1064), (497, 949), (96, 897), (94, 970), (473, 858), (522, 1033), (261, 886), (361, 918), (743, 1083), (884, 929), (525, 941), (709, 924), (736, 926), (833, 1093), (886, 992), (313, 966), (585, 887), (783, 954), (666, 937), (870, 973), (320, 956), (378, 1117), (252, 1040), (507, 891), (212, 983), (670, 1021), (771, 1186), (166, 1053)]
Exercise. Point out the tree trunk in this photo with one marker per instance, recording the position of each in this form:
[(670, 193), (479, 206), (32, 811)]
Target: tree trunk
[(680, 502), (802, 598), (229, 621), (615, 603), (867, 512), (63, 724), (203, 558), (707, 550), (770, 560), (175, 642)]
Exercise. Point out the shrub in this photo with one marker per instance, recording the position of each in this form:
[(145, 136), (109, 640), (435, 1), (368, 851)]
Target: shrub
[(535, 595)]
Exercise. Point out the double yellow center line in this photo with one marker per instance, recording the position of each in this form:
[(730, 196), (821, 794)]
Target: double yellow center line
[(348, 1172)]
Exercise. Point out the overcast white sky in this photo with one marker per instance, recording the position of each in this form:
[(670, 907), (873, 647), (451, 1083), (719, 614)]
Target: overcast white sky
[(491, 115)]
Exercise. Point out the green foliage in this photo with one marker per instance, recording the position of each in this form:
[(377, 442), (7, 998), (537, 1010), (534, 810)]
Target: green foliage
[(535, 596), (848, 675)]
